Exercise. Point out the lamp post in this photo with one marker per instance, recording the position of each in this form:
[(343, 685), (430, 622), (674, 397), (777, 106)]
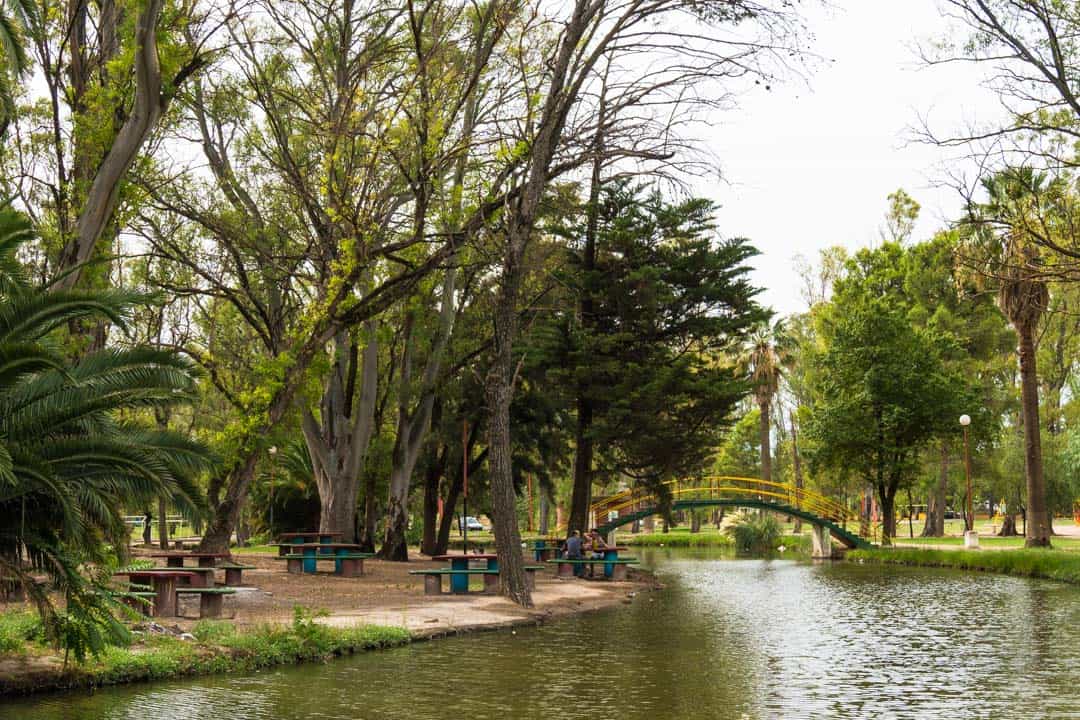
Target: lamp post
[(273, 467), (971, 538)]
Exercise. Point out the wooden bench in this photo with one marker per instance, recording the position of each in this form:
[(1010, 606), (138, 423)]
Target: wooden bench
[(565, 566), (345, 564), (233, 571), (210, 599), (433, 578)]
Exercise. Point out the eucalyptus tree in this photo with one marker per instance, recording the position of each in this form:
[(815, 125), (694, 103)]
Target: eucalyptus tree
[(110, 72)]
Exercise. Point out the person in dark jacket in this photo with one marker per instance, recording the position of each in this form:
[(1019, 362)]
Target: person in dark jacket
[(572, 551)]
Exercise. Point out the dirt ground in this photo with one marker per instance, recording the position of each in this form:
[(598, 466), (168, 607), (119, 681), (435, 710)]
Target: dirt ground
[(388, 595)]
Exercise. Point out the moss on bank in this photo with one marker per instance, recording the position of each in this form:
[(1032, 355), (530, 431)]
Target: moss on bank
[(218, 647), (1049, 564)]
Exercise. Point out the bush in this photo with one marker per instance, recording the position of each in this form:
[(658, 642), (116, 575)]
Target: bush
[(752, 532), (19, 628)]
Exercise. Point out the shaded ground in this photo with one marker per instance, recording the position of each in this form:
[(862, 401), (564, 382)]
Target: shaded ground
[(388, 595)]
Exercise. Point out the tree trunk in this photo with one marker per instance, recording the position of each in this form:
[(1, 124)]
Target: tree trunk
[(545, 513), (695, 521), (796, 460), (887, 496), (101, 198), (764, 427), (1008, 526), (499, 392), (935, 507), (583, 460), (371, 514), (163, 524), (432, 480), (219, 533), (1037, 523), (339, 440)]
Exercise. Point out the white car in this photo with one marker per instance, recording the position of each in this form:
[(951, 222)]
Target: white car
[(473, 525)]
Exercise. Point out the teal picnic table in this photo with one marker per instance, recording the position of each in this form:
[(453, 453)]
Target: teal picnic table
[(312, 552), (611, 552), (545, 549), (459, 581), (287, 542)]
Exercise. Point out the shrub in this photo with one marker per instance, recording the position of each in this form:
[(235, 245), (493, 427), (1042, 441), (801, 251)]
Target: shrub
[(752, 532)]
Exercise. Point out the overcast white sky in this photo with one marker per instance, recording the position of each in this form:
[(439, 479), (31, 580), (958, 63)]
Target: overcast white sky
[(809, 164)]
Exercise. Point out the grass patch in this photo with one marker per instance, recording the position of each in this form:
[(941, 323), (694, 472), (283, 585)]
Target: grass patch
[(219, 647), (1049, 564), (676, 539)]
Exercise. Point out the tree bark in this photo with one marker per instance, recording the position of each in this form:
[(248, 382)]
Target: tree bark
[(432, 479), (1037, 523), (796, 459), (764, 428), (935, 509)]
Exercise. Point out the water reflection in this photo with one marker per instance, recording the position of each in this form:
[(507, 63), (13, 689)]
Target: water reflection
[(724, 639)]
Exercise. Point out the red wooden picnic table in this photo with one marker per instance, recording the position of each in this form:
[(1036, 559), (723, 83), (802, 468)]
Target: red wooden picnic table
[(164, 585), (176, 559)]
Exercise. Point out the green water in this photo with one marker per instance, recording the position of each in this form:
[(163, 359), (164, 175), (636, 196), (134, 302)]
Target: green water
[(724, 639)]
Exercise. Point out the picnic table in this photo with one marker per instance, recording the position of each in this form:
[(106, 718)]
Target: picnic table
[(164, 584), (546, 549), (200, 576), (459, 562), (204, 559), (287, 541), (348, 560)]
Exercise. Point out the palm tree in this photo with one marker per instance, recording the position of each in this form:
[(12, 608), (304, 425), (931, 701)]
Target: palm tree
[(77, 444), (1023, 295), (17, 18), (767, 355)]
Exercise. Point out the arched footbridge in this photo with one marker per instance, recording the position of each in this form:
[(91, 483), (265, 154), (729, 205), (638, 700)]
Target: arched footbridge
[(827, 516)]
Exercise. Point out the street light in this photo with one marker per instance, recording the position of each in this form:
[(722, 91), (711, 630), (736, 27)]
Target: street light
[(971, 538), (273, 465)]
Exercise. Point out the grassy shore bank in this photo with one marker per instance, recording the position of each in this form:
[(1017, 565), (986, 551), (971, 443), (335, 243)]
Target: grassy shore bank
[(213, 646), (1049, 564)]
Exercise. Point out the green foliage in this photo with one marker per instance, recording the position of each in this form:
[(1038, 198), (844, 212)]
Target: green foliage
[(677, 539), (669, 303), (753, 532), (75, 449)]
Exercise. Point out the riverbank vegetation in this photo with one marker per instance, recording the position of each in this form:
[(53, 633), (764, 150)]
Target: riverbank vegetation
[(212, 646), (1026, 562)]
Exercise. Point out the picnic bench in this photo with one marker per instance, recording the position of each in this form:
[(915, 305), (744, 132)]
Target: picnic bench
[(565, 566), (176, 559), (211, 599), (233, 572), (164, 583), (433, 579)]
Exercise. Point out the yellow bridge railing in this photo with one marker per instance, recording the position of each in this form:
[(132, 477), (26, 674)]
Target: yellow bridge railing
[(725, 487)]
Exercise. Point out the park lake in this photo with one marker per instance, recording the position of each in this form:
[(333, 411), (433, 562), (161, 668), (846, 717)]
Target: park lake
[(724, 638)]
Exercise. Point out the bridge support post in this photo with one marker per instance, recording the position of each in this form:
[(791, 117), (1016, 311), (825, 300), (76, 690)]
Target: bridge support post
[(822, 543)]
